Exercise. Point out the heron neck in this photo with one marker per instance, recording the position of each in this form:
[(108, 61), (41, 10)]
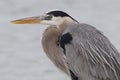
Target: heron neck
[(66, 23), (49, 42), (52, 50)]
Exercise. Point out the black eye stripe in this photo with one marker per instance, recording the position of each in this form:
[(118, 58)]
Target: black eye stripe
[(58, 13)]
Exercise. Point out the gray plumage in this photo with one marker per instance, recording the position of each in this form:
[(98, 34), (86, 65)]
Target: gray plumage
[(90, 55), (79, 50), (53, 51)]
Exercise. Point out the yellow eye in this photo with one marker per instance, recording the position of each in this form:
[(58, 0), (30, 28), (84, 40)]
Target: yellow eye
[(49, 17)]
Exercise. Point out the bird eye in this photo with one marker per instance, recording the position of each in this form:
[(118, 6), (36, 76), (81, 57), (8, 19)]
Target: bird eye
[(49, 17)]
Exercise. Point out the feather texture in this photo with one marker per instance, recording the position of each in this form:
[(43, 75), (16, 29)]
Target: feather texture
[(91, 56)]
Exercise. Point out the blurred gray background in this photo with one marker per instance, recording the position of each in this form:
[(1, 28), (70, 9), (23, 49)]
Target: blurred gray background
[(21, 53)]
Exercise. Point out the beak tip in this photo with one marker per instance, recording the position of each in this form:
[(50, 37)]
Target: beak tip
[(26, 21), (12, 22), (15, 22)]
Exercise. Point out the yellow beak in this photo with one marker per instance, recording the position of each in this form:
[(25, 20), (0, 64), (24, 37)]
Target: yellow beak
[(30, 20)]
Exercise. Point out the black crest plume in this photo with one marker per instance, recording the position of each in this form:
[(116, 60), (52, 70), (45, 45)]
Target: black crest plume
[(58, 13)]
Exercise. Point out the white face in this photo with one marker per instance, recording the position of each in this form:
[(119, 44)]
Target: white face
[(51, 20)]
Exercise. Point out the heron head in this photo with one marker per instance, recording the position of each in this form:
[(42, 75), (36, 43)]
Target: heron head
[(50, 18)]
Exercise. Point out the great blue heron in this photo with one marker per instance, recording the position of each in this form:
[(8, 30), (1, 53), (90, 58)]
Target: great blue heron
[(78, 49)]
